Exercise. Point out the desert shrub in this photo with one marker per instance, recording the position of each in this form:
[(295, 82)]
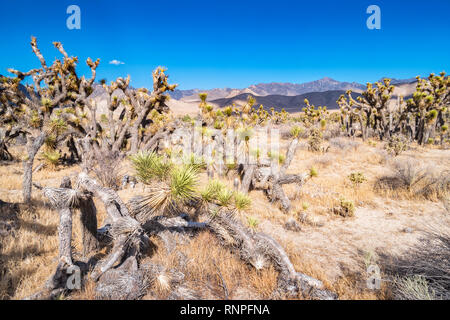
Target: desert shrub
[(396, 145), (413, 288), (372, 143), (231, 166), (412, 176), (382, 156), (325, 160), (423, 272), (331, 131), (305, 206), (186, 118), (357, 178), (344, 144), (313, 172), (346, 208)]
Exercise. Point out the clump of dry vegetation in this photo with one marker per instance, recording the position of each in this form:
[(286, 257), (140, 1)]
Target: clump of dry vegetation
[(411, 177), (423, 273)]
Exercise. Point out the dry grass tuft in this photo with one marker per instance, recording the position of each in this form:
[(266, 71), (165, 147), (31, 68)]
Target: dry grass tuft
[(411, 178)]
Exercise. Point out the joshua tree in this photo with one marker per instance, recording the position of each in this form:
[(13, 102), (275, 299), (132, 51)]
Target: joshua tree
[(312, 116), (371, 108), (38, 107), (126, 118), (420, 118), (428, 105), (9, 121)]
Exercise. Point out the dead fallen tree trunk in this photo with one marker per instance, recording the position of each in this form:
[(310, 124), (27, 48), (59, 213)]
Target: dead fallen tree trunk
[(260, 250), (128, 235)]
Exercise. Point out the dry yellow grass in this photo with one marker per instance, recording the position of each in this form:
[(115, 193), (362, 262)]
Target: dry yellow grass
[(329, 247)]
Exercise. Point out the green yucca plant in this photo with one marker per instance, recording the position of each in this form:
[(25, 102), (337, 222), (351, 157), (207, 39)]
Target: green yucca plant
[(186, 118), (182, 183), (58, 126), (168, 196), (252, 222), (296, 131), (274, 156), (51, 157), (50, 142), (245, 134), (242, 201), (305, 206), (198, 163), (357, 178), (212, 191), (149, 166), (224, 197), (313, 172)]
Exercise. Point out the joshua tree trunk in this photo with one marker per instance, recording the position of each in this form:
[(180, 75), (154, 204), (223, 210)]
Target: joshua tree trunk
[(88, 218), (4, 153), (248, 176), (363, 128), (33, 149)]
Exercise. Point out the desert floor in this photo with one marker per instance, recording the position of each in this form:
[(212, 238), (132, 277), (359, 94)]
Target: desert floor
[(332, 248)]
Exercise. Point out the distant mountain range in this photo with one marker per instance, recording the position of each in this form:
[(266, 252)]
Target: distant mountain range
[(289, 103), (274, 88), (290, 96)]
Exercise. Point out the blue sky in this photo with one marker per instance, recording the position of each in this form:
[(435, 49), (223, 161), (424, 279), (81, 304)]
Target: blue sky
[(207, 44)]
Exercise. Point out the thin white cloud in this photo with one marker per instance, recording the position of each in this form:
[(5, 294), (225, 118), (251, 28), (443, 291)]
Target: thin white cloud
[(116, 62)]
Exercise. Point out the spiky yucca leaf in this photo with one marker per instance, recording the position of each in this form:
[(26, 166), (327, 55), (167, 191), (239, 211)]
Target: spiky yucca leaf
[(252, 222), (149, 166), (166, 197), (195, 161), (224, 197), (183, 181), (58, 126), (296, 131), (212, 191), (242, 201)]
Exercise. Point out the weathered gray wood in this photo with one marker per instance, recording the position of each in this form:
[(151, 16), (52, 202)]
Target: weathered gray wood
[(126, 231), (261, 251), (249, 171), (32, 149), (88, 219), (289, 155)]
